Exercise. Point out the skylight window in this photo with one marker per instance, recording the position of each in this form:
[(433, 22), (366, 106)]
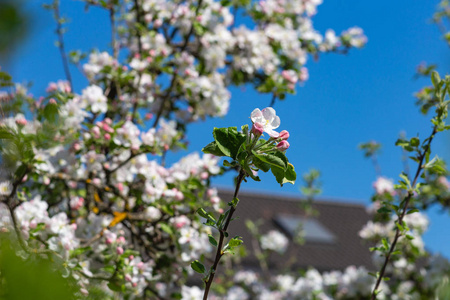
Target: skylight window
[(313, 231)]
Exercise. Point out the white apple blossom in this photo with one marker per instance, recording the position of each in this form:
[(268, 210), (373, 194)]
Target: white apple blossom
[(268, 119), (93, 96), (275, 241), (5, 188), (383, 185)]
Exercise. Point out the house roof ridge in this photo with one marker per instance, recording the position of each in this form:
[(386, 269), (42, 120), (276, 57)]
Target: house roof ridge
[(293, 198)]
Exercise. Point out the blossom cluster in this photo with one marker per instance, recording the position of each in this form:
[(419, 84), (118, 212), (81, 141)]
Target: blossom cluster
[(83, 172)]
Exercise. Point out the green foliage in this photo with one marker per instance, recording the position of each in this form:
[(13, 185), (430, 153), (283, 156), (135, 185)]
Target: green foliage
[(34, 278), (198, 267), (251, 155), (232, 245), (228, 140)]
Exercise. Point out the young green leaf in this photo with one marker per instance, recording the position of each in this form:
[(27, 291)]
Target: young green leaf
[(198, 267)]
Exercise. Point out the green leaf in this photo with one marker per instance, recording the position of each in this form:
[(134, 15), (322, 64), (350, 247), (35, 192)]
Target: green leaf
[(198, 267), (51, 112), (78, 251), (234, 202), (166, 228), (261, 165), (212, 240), (415, 142), (435, 79), (411, 211), (229, 140), (406, 179), (288, 176), (213, 149), (271, 159), (383, 210), (5, 134), (206, 215), (236, 241), (385, 243), (233, 243), (409, 237)]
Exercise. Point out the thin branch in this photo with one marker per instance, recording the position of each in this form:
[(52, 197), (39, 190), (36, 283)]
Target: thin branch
[(114, 43), (222, 231), (272, 102), (402, 215), (62, 51), (175, 75)]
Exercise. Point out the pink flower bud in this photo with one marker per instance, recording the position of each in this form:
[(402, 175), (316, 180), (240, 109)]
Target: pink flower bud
[(84, 292), (148, 116), (283, 145), (128, 277), (33, 224), (131, 257), (284, 135), (96, 181), (21, 122), (52, 101), (107, 136), (51, 87), (109, 241), (96, 131), (204, 175), (119, 250), (304, 75), (257, 129), (76, 147), (290, 76), (179, 196)]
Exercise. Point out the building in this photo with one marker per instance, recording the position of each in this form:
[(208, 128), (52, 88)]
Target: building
[(331, 240)]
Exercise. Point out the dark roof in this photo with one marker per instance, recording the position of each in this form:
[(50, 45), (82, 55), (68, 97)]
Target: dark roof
[(337, 225)]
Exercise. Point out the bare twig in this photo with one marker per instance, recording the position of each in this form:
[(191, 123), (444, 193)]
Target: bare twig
[(175, 75), (62, 51)]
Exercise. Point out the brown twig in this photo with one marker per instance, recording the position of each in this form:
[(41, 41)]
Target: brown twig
[(62, 51), (175, 75), (403, 213), (222, 232)]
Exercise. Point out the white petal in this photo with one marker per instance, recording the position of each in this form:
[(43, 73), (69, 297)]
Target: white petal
[(256, 116), (269, 113), (275, 123), (272, 133)]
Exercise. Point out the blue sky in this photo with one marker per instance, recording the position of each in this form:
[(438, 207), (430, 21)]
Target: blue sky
[(365, 95)]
